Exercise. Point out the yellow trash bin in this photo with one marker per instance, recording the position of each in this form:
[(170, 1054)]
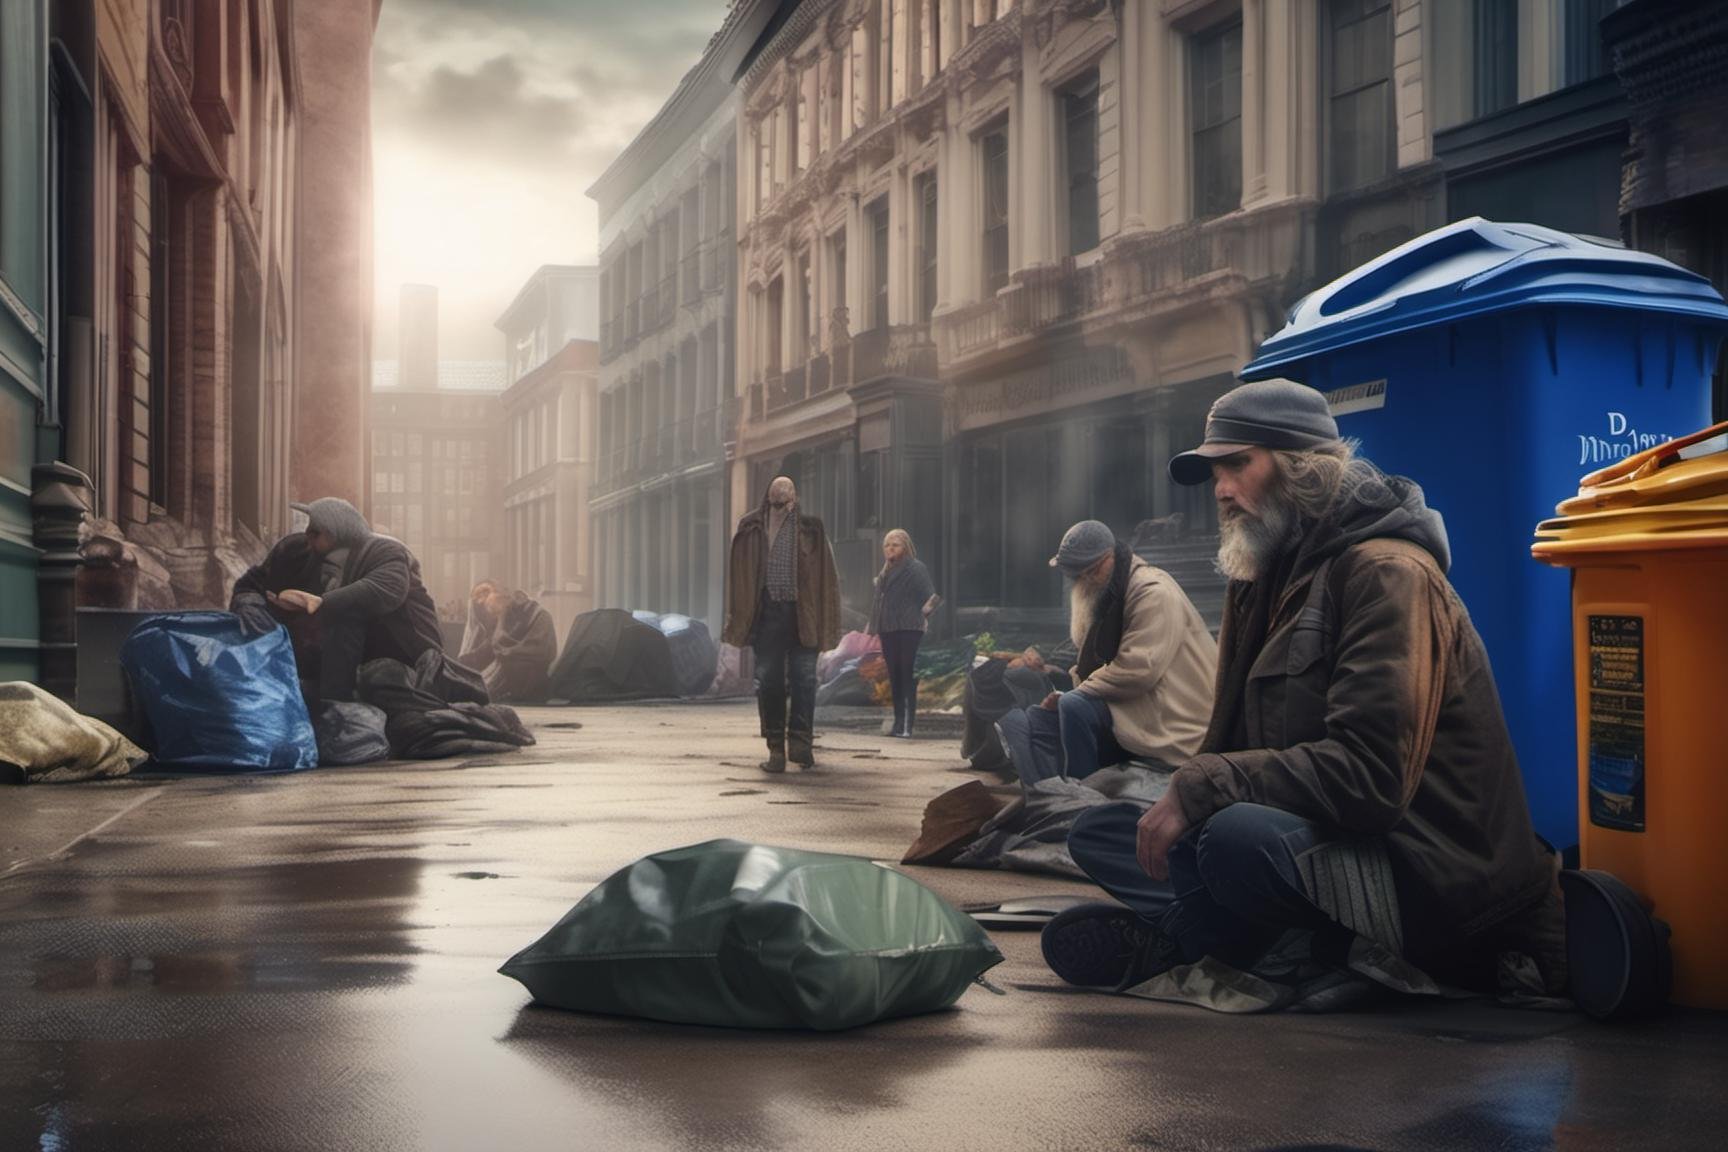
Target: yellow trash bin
[(1647, 540)]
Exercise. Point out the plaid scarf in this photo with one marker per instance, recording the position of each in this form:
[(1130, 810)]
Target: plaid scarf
[(782, 574)]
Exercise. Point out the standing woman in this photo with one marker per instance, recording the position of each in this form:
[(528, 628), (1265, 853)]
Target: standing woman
[(905, 598)]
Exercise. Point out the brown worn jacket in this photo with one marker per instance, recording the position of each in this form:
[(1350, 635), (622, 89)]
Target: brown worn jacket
[(1370, 709), (818, 581)]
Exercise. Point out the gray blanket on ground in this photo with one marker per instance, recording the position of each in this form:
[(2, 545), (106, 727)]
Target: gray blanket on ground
[(1031, 834)]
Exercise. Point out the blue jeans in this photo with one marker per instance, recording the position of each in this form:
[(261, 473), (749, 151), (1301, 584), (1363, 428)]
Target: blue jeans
[(1234, 885), (1074, 739)]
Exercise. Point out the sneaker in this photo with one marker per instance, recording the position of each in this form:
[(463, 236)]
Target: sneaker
[(1105, 946), (775, 763)]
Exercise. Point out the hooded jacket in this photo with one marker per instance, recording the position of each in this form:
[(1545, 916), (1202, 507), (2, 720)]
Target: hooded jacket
[(379, 590), (1370, 709), (818, 581)]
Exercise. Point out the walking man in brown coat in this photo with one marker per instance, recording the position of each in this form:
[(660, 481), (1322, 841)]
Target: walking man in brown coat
[(783, 600)]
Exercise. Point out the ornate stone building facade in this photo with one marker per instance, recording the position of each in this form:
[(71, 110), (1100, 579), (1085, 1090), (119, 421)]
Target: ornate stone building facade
[(659, 501), (200, 298), (998, 256)]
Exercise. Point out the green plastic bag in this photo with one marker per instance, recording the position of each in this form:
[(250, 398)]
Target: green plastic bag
[(746, 936)]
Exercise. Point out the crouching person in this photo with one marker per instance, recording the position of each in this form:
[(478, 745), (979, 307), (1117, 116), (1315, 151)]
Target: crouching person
[(346, 594), (1143, 680), (1357, 779), (511, 641)]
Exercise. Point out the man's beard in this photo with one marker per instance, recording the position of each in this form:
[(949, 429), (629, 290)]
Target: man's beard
[(1248, 543), (1083, 601)]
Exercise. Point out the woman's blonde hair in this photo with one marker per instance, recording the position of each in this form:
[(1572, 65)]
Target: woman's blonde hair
[(905, 539)]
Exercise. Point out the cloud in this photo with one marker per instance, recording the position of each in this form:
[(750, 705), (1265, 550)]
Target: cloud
[(490, 119)]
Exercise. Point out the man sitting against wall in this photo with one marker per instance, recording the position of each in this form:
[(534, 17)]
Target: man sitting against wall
[(1143, 680), (1357, 781)]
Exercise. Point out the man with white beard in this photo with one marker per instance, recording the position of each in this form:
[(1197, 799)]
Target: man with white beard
[(1143, 676), (1357, 781)]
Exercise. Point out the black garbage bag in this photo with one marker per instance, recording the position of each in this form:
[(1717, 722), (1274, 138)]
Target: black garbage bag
[(992, 691), (746, 936), (350, 732), (438, 708), (692, 650), (611, 655)]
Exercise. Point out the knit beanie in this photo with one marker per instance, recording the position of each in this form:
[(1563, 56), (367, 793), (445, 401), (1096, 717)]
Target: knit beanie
[(336, 516)]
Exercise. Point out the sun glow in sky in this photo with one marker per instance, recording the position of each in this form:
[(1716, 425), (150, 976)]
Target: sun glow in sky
[(491, 118)]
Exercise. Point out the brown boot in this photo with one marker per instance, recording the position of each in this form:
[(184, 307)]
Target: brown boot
[(776, 762)]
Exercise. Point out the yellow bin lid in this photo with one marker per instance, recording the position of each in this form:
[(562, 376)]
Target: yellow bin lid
[(1674, 495)]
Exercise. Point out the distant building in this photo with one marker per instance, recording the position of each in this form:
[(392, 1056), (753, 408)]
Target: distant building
[(185, 298), (436, 483), (551, 418), (660, 503), (558, 304)]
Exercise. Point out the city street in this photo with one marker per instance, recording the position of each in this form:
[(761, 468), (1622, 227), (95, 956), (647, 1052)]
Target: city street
[(309, 962)]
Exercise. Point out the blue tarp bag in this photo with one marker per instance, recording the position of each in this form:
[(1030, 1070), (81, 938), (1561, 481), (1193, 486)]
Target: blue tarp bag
[(217, 699)]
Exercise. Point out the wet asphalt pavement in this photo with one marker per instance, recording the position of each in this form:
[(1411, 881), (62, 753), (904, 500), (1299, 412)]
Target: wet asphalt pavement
[(309, 962)]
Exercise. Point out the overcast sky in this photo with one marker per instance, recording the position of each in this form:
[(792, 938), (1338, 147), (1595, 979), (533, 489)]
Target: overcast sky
[(491, 118)]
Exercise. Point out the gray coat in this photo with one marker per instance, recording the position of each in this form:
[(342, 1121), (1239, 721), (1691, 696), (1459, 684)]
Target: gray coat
[(901, 594)]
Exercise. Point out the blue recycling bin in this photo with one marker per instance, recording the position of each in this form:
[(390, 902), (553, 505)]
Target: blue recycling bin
[(1495, 365)]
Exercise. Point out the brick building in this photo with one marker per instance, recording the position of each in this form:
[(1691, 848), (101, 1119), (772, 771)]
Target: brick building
[(193, 291)]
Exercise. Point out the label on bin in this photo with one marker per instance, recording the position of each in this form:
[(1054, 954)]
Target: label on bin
[(1357, 398), (1617, 722)]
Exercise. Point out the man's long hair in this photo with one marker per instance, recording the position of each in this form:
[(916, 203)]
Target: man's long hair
[(1305, 486)]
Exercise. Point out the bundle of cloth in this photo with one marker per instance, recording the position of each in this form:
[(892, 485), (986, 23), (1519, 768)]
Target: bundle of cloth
[(511, 640)]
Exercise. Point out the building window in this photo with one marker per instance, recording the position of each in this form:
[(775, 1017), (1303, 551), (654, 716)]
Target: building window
[(926, 195), (1359, 97), (21, 118), (776, 304), (1495, 52), (802, 319), (1080, 161), (994, 148), (1215, 116), (877, 214), (837, 260), (1586, 57), (164, 287)]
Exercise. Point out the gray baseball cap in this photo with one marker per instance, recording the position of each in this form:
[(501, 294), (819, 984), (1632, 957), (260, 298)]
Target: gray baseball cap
[(1264, 414), (1083, 546)]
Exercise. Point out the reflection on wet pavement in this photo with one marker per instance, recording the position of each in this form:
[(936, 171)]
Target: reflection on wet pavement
[(310, 963)]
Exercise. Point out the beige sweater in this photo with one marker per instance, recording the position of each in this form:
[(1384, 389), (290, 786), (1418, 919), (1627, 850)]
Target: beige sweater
[(1159, 686)]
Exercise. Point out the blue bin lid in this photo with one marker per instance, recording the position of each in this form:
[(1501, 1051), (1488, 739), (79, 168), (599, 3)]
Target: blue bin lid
[(1474, 268)]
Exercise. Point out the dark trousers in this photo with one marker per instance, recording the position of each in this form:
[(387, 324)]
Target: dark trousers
[(1074, 739), (785, 673), (900, 653), (1234, 885)]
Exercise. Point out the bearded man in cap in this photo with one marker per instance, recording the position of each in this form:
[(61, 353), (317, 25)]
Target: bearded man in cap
[(1143, 677), (1357, 781), (347, 594)]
